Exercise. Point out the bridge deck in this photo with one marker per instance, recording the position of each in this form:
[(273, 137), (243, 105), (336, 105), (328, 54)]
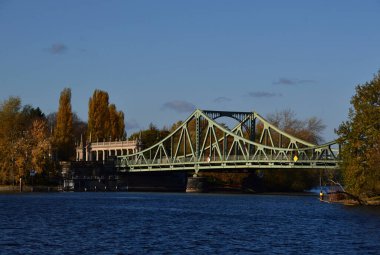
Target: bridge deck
[(260, 164)]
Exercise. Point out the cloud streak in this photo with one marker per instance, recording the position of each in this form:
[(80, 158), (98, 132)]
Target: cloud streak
[(292, 82), (57, 48), (222, 100), (179, 106), (264, 94)]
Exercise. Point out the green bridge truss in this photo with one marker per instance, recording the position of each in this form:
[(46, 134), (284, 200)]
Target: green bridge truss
[(201, 143)]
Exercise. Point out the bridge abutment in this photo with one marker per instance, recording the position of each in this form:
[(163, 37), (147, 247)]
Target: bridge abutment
[(196, 184)]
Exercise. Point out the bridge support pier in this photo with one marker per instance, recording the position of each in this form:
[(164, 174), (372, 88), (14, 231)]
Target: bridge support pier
[(196, 184)]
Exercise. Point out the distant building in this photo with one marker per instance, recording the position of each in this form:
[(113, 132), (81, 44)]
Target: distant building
[(101, 151)]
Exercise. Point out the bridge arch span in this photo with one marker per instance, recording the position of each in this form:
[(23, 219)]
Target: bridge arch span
[(201, 143)]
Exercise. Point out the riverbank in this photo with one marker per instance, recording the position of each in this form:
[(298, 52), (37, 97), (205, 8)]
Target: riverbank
[(349, 199), (373, 201), (16, 189), (365, 202)]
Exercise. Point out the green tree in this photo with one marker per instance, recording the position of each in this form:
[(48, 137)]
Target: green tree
[(150, 136), (63, 132), (30, 114), (360, 139)]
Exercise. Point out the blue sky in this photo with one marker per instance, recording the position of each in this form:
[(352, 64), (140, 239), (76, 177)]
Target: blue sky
[(158, 60)]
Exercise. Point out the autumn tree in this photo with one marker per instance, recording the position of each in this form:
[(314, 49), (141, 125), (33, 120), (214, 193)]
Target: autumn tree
[(104, 121), (98, 115), (360, 139), (117, 126), (41, 145), (24, 141), (63, 132), (10, 129), (309, 130), (79, 126), (33, 150)]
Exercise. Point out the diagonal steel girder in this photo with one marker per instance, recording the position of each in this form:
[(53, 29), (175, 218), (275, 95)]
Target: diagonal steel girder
[(201, 143)]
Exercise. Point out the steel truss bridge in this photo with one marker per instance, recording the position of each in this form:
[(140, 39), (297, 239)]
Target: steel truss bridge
[(201, 143)]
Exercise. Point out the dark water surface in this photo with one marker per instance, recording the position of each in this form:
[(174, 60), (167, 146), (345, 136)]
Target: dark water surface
[(167, 223)]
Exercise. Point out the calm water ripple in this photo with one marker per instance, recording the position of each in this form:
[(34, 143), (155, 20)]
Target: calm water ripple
[(157, 223)]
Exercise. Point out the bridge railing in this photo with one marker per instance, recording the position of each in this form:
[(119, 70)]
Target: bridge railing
[(232, 159), (114, 143)]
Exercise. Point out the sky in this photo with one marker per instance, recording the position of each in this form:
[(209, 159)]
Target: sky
[(159, 60)]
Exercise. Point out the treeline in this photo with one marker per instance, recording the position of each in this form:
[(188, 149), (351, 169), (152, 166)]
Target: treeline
[(32, 142), (360, 139)]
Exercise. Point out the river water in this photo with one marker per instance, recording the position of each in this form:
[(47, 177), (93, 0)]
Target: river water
[(180, 223)]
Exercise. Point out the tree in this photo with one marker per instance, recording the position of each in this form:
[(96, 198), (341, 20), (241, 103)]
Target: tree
[(30, 114), (121, 131), (32, 150), (104, 121), (24, 141), (10, 129), (98, 116), (41, 145), (309, 130), (117, 126), (63, 132), (360, 139), (150, 136)]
